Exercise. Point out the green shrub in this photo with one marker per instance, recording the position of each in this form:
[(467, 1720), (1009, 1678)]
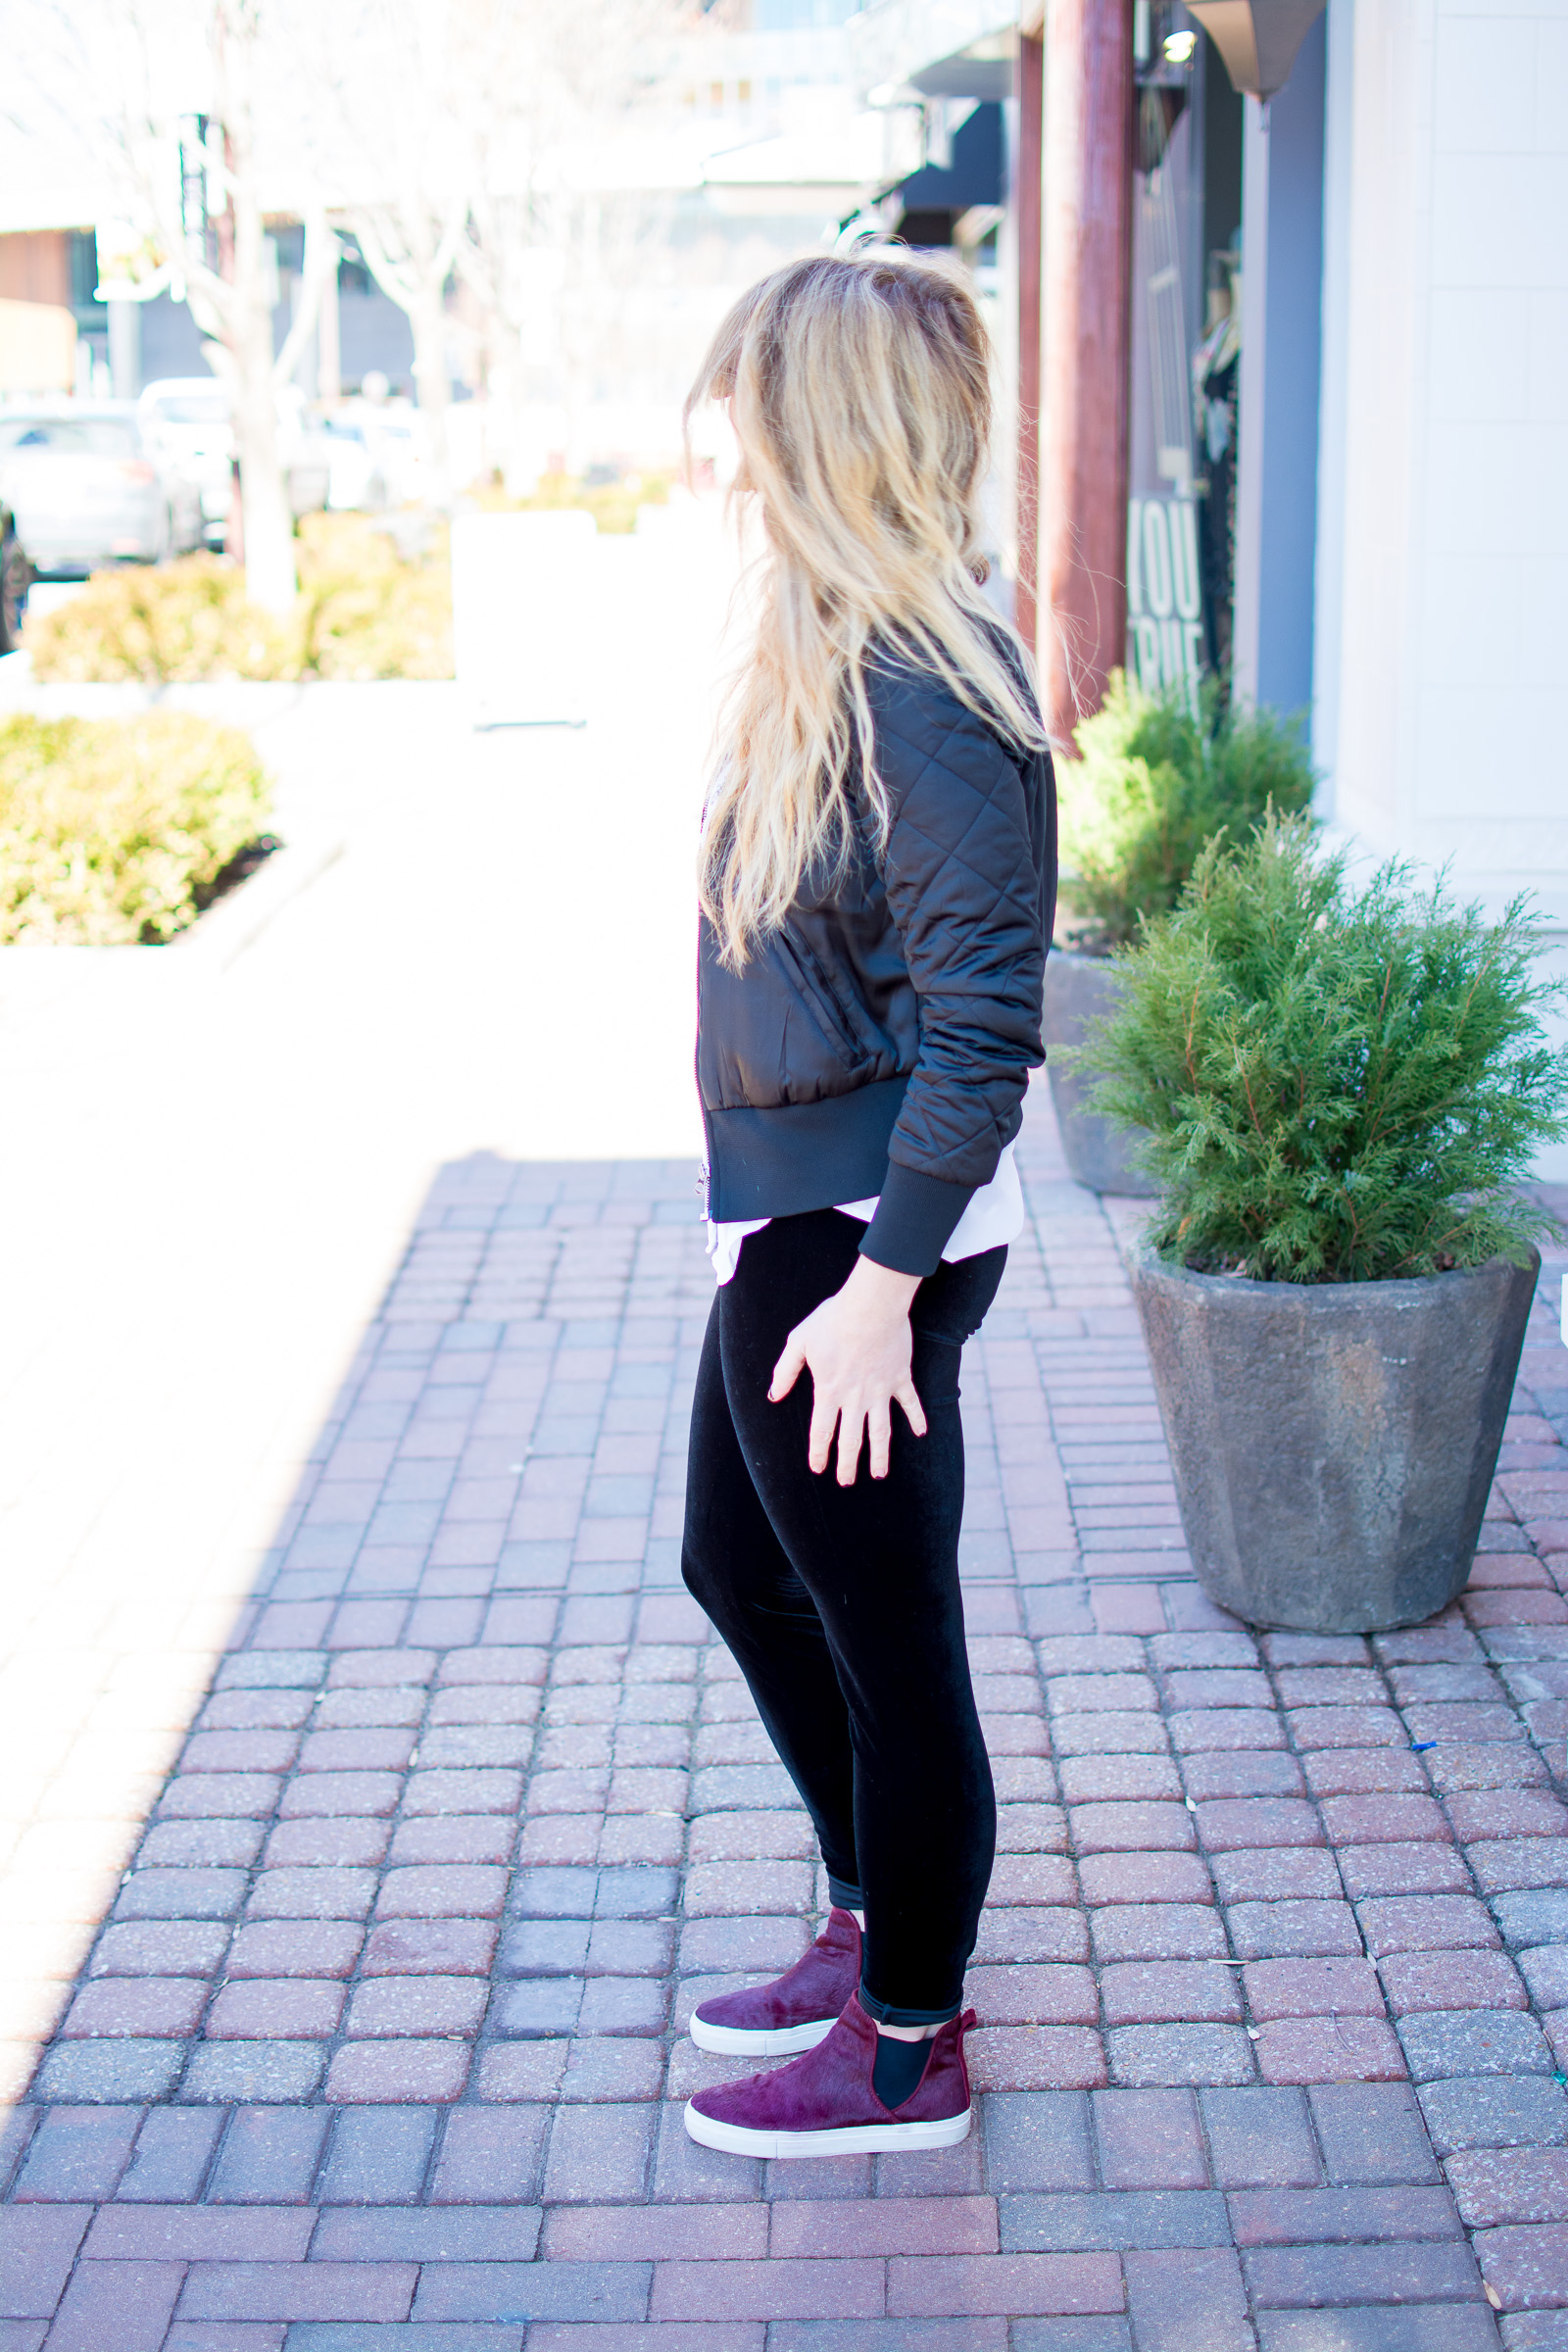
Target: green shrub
[(113, 831), (613, 505), (1334, 1086), (367, 611), (363, 611), (178, 620), (1155, 782)]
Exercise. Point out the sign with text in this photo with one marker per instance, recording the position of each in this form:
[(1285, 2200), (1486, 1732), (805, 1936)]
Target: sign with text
[(1164, 596), (523, 622)]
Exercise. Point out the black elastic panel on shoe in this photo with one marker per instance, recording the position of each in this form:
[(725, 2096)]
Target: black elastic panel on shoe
[(896, 2070)]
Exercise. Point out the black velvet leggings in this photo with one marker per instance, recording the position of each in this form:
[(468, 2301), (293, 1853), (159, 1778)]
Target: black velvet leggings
[(842, 1607)]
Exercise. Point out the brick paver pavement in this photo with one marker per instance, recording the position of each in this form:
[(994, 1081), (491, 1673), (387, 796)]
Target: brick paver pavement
[(383, 2036)]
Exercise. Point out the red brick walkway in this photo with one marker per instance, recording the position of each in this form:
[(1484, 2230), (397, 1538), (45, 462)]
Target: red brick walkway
[(1274, 1977)]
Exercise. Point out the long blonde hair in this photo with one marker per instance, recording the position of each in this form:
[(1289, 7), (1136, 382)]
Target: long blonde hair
[(859, 388)]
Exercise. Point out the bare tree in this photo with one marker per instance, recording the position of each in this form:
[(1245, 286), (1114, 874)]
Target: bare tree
[(407, 79), (548, 250), (232, 305), (109, 64)]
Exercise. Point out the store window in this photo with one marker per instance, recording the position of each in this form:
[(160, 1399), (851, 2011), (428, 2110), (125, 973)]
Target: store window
[(1184, 351)]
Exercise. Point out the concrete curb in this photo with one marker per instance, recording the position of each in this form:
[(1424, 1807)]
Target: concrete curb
[(53, 1000), (222, 934)]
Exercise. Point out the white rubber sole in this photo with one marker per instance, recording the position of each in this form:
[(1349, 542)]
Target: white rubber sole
[(857, 2139), (734, 2042)]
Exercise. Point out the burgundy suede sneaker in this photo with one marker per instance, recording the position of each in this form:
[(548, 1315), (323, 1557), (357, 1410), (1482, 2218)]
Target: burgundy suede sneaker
[(823, 2104), (797, 2011)]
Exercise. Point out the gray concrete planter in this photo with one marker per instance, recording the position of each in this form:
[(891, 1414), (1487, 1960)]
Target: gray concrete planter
[(1333, 1443), (1078, 990)]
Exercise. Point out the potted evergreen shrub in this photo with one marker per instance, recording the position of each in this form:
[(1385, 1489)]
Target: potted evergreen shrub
[(1153, 780), (1341, 1092)]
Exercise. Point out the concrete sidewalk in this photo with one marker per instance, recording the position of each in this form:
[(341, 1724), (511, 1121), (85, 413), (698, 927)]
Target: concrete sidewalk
[(384, 2032), (213, 1169)]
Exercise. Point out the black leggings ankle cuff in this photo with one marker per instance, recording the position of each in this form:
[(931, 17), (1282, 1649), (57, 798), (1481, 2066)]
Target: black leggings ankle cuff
[(885, 2014)]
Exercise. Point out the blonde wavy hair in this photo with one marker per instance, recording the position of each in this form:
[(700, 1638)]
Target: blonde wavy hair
[(859, 388)]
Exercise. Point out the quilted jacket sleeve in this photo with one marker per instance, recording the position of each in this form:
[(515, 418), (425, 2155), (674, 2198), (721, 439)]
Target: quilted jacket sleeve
[(969, 873)]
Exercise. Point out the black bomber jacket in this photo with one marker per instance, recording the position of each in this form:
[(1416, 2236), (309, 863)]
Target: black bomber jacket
[(880, 1041)]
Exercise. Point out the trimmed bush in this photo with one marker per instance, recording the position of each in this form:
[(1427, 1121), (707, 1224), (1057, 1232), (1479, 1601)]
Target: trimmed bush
[(363, 611), (114, 831), (1334, 1086), (613, 505), (367, 611), (180, 620), (1153, 783)]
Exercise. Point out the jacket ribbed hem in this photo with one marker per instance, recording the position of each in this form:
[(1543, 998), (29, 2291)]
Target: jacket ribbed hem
[(782, 1161), (915, 1220)]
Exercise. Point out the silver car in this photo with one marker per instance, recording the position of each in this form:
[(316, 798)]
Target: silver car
[(86, 491), (187, 421)]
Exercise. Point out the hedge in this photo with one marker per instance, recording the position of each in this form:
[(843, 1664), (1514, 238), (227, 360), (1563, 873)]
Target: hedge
[(363, 611), (113, 832), (1154, 782)]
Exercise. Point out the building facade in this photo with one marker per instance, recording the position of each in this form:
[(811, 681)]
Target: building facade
[(1291, 387)]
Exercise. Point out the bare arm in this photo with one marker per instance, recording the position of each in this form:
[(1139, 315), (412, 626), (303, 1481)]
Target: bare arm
[(856, 1346)]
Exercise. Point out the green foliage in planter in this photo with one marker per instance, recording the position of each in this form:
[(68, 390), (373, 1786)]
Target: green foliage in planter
[(1153, 783), (367, 611), (1337, 1086), (613, 505), (363, 611), (113, 831), (177, 621)]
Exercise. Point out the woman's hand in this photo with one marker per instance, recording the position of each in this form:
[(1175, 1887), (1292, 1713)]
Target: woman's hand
[(856, 1346)]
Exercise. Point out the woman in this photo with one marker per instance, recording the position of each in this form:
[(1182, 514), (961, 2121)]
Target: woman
[(878, 882)]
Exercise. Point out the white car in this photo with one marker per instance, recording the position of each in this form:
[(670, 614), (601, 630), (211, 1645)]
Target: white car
[(87, 489), (358, 481), (189, 418), (395, 433)]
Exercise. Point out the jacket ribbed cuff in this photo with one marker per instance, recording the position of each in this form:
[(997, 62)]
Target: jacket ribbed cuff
[(915, 1220)]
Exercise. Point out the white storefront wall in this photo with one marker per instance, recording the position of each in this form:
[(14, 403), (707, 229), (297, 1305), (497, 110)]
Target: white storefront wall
[(1441, 623)]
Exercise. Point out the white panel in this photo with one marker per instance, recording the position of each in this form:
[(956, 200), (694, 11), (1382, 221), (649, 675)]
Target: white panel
[(1468, 619), (1548, 358), (1498, 220), (1551, 80), (1501, 11), (1383, 320), (1483, 779), (1483, 68), (1250, 403), (1328, 576), (1483, 618), (521, 592), (1504, 492), (1480, 356)]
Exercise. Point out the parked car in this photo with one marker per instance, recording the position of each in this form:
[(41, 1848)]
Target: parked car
[(87, 490), (305, 452), (189, 418), (16, 579), (357, 479), (394, 432)]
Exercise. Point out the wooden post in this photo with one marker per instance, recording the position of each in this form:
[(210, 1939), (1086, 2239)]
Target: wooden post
[(1031, 91), (1083, 455)]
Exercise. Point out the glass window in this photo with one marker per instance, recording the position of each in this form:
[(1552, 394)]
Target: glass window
[(193, 408), (73, 436), (1185, 345)]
